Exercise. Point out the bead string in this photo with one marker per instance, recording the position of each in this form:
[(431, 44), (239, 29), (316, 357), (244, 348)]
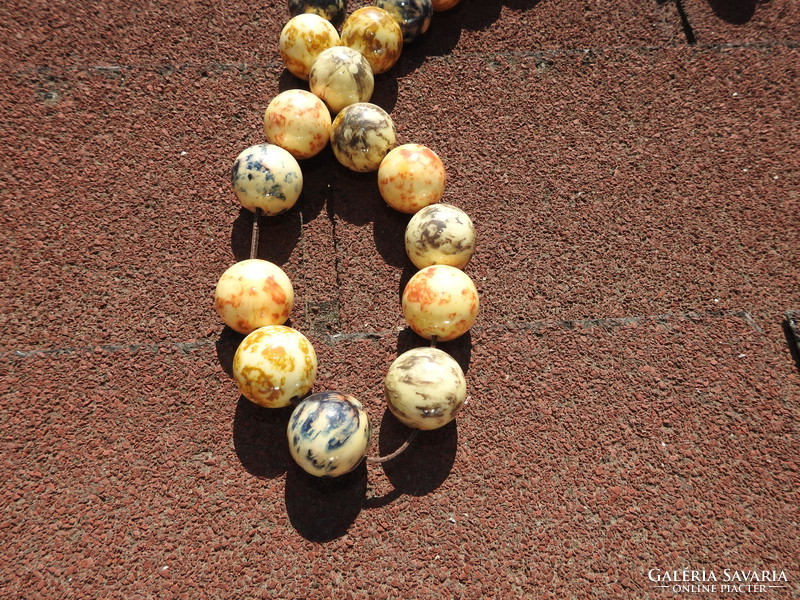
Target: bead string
[(268, 180), (296, 400)]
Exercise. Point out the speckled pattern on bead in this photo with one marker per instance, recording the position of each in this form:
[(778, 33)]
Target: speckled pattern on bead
[(302, 39), (328, 434), (411, 177), (374, 32), (425, 388), (361, 135), (413, 16), (440, 301), (253, 293), (268, 177), (298, 122), (274, 365), (440, 234), (341, 76), (333, 10)]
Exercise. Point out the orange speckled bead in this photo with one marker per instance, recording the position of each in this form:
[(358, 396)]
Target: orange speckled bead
[(298, 122), (440, 301), (273, 365), (411, 177), (302, 39), (441, 5), (253, 293), (375, 33)]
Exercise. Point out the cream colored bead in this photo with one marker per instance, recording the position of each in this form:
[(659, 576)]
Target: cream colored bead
[(329, 434), (440, 234), (361, 136), (266, 176), (425, 388), (302, 40), (341, 76), (411, 177), (253, 293), (273, 365), (440, 301), (374, 32), (298, 122)]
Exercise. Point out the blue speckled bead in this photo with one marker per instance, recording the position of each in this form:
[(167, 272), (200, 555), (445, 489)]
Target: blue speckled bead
[(329, 434), (266, 176), (413, 16), (333, 10)]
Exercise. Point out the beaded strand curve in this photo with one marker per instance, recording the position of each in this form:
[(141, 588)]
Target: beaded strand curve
[(329, 432)]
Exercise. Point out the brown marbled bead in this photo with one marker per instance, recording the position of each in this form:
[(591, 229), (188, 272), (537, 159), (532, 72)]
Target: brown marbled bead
[(362, 135), (375, 33)]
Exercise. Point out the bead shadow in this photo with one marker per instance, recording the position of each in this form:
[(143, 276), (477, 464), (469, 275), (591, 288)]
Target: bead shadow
[(278, 235), (226, 346), (259, 438), (425, 464), (323, 509)]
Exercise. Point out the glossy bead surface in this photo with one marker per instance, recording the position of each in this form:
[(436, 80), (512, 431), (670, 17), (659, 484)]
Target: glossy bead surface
[(302, 39), (253, 293), (266, 176), (441, 5), (333, 10), (413, 16), (341, 76), (411, 177), (440, 234), (374, 32), (329, 434), (425, 388), (440, 301), (273, 365), (361, 135), (298, 122)]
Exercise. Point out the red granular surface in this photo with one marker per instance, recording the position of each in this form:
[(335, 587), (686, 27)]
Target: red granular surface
[(633, 402)]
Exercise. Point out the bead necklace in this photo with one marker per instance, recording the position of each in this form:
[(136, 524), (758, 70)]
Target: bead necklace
[(329, 432)]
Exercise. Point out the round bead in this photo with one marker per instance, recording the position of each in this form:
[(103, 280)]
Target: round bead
[(266, 176), (333, 10), (329, 434), (440, 301), (341, 76), (411, 177), (274, 365), (441, 5), (413, 16), (302, 39), (440, 234), (361, 136), (298, 122), (425, 388), (253, 293), (374, 32)]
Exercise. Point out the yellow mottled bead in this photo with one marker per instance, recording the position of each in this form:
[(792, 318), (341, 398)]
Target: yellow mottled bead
[(361, 135), (341, 76), (411, 177), (268, 177), (375, 33), (274, 365), (440, 301), (425, 388), (440, 234), (302, 39), (329, 434), (253, 293), (298, 122)]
